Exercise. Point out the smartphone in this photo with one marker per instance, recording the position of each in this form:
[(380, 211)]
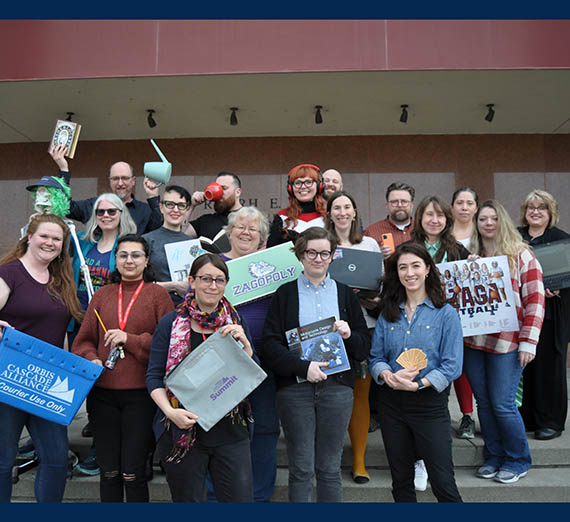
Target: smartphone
[(388, 240)]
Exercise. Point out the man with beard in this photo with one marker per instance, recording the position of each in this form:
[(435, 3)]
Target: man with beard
[(122, 181), (333, 182), (208, 225), (399, 223)]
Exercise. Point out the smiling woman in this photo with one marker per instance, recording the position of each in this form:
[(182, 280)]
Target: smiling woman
[(121, 319), (37, 297)]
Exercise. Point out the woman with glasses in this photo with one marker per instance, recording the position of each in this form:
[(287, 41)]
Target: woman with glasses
[(247, 230), (186, 451), (314, 413), (344, 223), (545, 393), (174, 206), (307, 206), (110, 219), (494, 362), (117, 332)]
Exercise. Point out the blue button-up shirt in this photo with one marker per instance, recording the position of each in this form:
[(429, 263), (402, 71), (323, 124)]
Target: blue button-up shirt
[(436, 331), (316, 303)]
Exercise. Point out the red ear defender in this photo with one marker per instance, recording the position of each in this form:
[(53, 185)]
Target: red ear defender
[(320, 182)]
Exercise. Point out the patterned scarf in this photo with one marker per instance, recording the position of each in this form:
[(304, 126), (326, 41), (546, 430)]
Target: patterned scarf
[(179, 348)]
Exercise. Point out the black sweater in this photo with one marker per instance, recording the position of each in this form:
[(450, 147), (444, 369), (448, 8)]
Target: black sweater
[(283, 315)]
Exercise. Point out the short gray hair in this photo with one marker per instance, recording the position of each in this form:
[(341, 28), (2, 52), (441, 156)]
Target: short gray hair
[(126, 225), (250, 213)]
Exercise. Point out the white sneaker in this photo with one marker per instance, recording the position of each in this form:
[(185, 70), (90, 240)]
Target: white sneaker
[(420, 476)]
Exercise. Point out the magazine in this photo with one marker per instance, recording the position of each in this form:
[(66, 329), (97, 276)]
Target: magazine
[(319, 342)]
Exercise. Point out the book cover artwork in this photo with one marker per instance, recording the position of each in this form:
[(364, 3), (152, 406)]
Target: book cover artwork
[(66, 133), (319, 342)]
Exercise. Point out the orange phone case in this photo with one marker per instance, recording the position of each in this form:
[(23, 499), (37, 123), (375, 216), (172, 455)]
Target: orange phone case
[(388, 240)]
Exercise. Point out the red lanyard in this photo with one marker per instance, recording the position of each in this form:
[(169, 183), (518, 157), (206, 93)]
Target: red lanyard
[(123, 321)]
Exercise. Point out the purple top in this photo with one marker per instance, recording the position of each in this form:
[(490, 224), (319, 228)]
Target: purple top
[(30, 308)]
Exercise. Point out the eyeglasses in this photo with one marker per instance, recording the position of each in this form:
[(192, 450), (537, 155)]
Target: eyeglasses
[(541, 208), (111, 211), (124, 179), (243, 228), (399, 202), (312, 254), (135, 256), (207, 280), (298, 183), (182, 205)]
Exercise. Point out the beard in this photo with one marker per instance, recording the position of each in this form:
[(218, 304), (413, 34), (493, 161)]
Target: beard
[(225, 205), (400, 216)]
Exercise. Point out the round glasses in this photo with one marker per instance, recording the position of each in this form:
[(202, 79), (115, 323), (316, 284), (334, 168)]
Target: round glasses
[(298, 183), (312, 254)]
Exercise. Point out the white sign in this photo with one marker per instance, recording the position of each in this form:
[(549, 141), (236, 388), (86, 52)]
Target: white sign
[(481, 292), (180, 257)]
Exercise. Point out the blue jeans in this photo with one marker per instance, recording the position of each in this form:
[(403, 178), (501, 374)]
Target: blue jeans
[(494, 379), (315, 419), (50, 442)]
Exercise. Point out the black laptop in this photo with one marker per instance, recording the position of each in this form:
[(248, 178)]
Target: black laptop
[(360, 269), (555, 261)]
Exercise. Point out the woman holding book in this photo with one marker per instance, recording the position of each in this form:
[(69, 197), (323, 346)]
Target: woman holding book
[(417, 352), (188, 452), (119, 325), (314, 407), (343, 221)]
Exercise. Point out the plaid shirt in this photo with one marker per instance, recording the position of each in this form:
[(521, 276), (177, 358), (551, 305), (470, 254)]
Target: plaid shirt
[(529, 300), (385, 226)]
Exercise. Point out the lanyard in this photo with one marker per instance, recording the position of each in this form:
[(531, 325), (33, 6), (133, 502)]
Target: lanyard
[(123, 321)]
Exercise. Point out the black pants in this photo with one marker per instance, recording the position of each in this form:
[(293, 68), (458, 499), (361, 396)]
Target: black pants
[(417, 422), (229, 466), (545, 391), (123, 438)]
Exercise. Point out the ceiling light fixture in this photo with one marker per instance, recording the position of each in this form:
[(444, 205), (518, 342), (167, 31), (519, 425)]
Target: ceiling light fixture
[(233, 116), (404, 115), (69, 116), (150, 119), (490, 113), (318, 115)]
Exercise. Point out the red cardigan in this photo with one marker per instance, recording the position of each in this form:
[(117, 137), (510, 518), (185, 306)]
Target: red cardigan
[(151, 305)]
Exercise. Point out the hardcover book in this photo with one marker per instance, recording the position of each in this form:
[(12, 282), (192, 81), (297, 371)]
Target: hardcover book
[(66, 133), (319, 342)]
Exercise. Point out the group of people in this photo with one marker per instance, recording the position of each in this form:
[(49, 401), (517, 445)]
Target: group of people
[(146, 323)]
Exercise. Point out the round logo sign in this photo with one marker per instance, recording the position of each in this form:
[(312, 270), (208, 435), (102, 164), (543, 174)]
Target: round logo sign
[(352, 267)]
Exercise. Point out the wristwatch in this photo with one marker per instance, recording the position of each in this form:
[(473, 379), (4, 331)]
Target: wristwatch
[(421, 385)]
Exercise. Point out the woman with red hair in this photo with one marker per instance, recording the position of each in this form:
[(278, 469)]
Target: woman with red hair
[(307, 207)]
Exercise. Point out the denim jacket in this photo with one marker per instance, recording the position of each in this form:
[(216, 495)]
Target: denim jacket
[(437, 331)]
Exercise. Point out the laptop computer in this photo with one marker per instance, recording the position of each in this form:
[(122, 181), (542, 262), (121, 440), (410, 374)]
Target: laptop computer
[(360, 269), (554, 258)]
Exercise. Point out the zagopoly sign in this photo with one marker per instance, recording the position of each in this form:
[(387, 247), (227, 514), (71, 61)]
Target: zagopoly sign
[(261, 273)]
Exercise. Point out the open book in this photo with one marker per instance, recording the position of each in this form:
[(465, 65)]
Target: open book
[(218, 245), (319, 342)]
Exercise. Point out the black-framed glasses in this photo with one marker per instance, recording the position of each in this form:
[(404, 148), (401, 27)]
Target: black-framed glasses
[(298, 183), (100, 212), (135, 256), (312, 254), (207, 280), (540, 208), (182, 205)]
